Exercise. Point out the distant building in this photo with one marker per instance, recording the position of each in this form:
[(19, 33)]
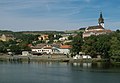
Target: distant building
[(42, 48), (65, 49), (96, 30), (82, 57), (52, 49), (43, 37), (63, 38), (6, 37), (26, 53)]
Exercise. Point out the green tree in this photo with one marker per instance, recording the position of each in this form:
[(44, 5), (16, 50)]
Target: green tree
[(76, 44), (115, 47), (24, 46), (15, 48), (70, 37), (89, 45), (102, 45), (57, 37), (3, 48), (51, 38)]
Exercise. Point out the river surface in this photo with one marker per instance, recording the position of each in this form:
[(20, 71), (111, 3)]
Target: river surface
[(53, 72)]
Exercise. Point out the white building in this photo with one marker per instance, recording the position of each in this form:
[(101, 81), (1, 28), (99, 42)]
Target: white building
[(96, 30), (45, 49), (63, 38), (25, 53), (52, 49), (65, 49), (82, 57)]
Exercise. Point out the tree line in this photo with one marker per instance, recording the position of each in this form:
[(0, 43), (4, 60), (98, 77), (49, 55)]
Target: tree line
[(105, 45)]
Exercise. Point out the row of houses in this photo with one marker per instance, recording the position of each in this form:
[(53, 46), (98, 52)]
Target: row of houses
[(51, 49)]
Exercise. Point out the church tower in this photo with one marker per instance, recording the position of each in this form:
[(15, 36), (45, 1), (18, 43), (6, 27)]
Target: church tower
[(101, 20)]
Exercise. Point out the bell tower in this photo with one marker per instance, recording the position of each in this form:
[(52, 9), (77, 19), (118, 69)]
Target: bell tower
[(101, 20)]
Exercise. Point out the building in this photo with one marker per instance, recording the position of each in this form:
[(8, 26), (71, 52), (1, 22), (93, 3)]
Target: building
[(63, 38), (43, 37), (42, 48), (96, 30), (26, 53), (6, 37), (65, 49), (52, 49)]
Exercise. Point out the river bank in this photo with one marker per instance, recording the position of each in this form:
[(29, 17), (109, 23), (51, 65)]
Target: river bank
[(33, 58), (48, 58)]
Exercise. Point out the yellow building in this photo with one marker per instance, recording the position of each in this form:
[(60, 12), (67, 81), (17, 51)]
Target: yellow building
[(43, 37), (6, 37)]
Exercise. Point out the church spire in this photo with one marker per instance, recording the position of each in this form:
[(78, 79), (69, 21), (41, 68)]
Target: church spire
[(101, 20), (101, 15)]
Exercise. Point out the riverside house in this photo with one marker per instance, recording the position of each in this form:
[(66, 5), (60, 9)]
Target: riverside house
[(51, 49), (65, 49)]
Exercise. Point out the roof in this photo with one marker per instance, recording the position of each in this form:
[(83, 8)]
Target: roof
[(55, 45), (65, 47), (47, 47), (95, 27), (50, 46), (100, 31), (38, 46)]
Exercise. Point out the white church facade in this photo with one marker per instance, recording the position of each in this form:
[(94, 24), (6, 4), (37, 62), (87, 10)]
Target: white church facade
[(96, 30)]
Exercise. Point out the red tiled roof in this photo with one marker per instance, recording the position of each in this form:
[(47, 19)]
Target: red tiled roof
[(38, 46), (65, 46), (47, 47), (107, 31), (95, 27)]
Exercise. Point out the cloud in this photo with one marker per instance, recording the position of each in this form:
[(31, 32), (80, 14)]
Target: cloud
[(54, 14)]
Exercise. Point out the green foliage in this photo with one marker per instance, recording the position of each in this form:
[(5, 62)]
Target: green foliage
[(20, 43), (3, 48), (76, 44), (115, 47), (51, 38), (15, 48), (97, 45), (103, 45), (107, 45), (26, 37), (57, 37), (89, 46), (37, 42), (70, 37)]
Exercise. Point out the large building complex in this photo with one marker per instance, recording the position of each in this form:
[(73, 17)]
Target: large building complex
[(96, 30)]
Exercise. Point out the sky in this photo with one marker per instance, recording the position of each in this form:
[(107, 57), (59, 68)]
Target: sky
[(57, 15)]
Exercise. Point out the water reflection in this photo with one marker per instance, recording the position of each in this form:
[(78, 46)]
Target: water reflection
[(95, 67), (58, 72), (84, 65)]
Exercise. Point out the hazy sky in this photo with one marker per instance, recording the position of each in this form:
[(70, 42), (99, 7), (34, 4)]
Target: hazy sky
[(37, 15)]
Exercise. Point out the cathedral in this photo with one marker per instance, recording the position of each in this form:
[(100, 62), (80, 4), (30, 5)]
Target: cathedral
[(96, 30)]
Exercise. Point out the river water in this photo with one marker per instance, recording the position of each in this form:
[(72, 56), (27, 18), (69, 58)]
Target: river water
[(53, 72)]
